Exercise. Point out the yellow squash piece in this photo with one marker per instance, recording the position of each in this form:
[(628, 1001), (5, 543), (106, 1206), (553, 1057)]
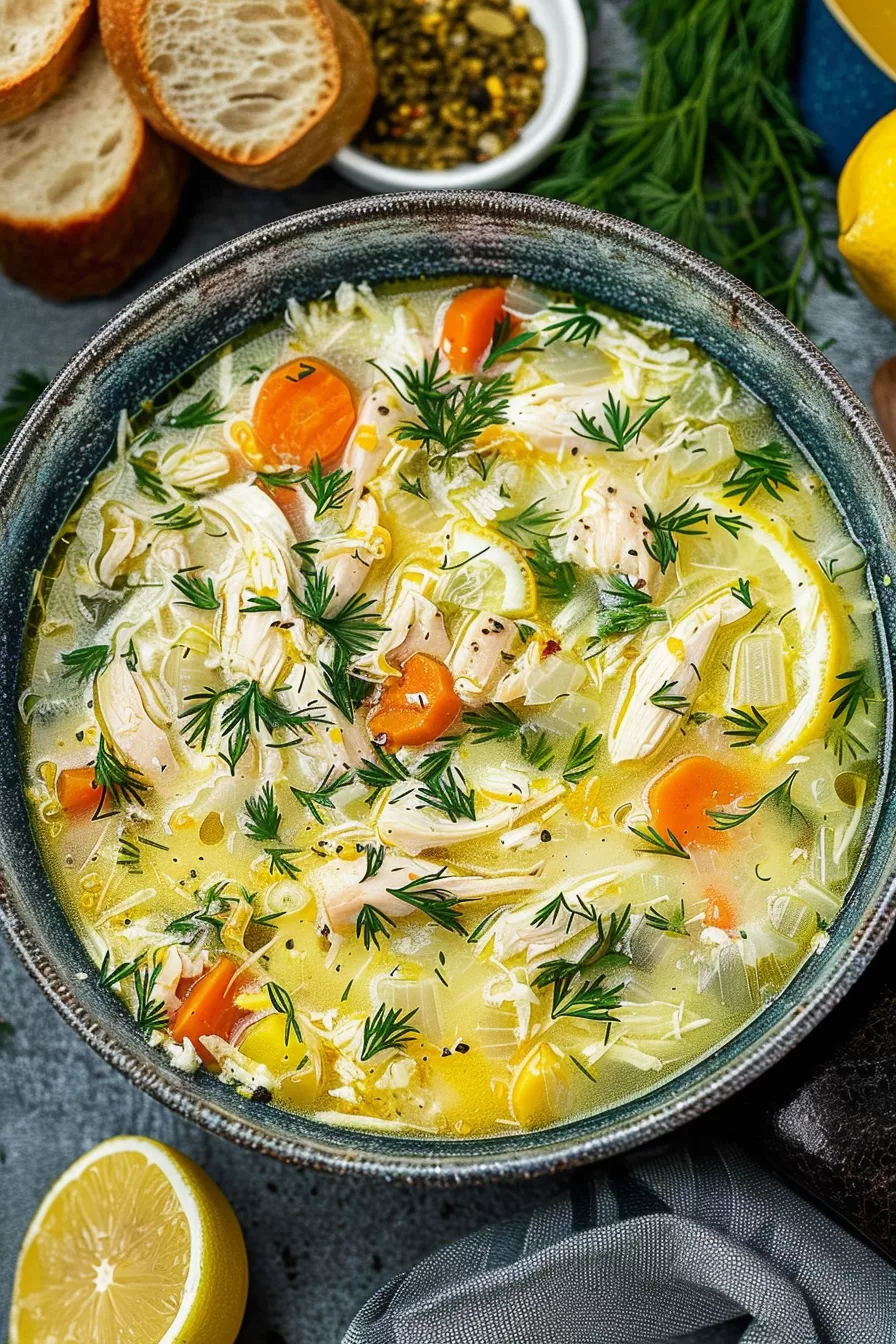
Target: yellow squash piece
[(539, 1091), (866, 205), (133, 1242)]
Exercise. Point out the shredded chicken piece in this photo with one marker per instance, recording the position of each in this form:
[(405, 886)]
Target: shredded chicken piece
[(378, 415), (403, 824), (480, 655), (608, 534), (127, 725)]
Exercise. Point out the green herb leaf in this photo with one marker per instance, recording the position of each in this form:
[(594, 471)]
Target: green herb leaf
[(665, 527), (371, 925), (281, 1002), (374, 856), (321, 799), (575, 324), (670, 846), (580, 761), (118, 781), (855, 691), (179, 519), (665, 698), (532, 522), (555, 579), (674, 923), (439, 905), (748, 726), (264, 815), (85, 663), (741, 591), (447, 793), (629, 610), (503, 344), (196, 593), (765, 469), (493, 723), (380, 774), (205, 411), (353, 628), (623, 430), (326, 490), (148, 480), (110, 975), (733, 523), (151, 1014), (535, 748), (450, 416), (261, 602), (387, 1030), (412, 487), (18, 399), (780, 797)]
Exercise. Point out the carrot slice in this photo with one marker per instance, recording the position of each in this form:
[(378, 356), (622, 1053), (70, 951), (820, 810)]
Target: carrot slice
[(720, 912), (416, 707), (469, 327), (680, 799), (299, 415), (209, 1008), (77, 789)]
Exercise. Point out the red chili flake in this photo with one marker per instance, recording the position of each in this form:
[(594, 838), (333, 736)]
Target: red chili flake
[(550, 647)]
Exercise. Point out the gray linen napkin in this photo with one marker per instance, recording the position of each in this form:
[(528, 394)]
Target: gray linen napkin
[(671, 1247)]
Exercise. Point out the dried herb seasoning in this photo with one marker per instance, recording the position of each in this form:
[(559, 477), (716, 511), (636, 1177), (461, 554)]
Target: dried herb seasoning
[(458, 79)]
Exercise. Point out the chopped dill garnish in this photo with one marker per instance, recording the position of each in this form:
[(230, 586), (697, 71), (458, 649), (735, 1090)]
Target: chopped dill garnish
[(580, 761), (503, 344), (321, 799), (412, 487), (549, 912), (629, 610), (280, 863), (576, 323), (765, 469), (264, 815), (425, 895), (493, 723), (371, 925), (855, 691), (741, 591), (654, 843), (732, 523), (326, 490), (748, 726), (534, 521), (151, 1014), (85, 663), (247, 712), (179, 519), (594, 1000), (555, 579), (665, 698), (681, 521), (205, 411), (604, 952), (779, 797), (623, 430), (387, 1030), (281, 1002), (261, 602), (536, 750), (674, 923), (353, 628), (380, 774), (195, 592), (148, 481), (110, 975), (373, 860), (119, 782), (447, 793)]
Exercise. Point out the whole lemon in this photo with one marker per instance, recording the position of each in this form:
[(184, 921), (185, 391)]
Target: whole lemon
[(866, 204)]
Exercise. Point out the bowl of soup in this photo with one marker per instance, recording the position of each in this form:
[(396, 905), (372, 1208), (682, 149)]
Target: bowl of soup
[(447, 687)]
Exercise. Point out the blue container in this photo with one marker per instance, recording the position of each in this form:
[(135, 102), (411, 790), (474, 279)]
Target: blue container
[(841, 92)]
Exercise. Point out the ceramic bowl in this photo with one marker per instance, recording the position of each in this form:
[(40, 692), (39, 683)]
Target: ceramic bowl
[(71, 431), (566, 39)]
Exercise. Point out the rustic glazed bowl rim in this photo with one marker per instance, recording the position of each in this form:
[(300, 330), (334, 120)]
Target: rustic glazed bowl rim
[(343, 1151)]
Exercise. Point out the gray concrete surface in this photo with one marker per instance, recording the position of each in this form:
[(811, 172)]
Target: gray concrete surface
[(318, 1245)]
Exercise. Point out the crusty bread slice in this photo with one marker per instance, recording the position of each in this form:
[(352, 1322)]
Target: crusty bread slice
[(87, 190), (263, 91), (39, 41)]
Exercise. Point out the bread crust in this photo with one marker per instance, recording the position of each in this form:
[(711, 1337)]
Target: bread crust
[(336, 123), (94, 253), (21, 96)]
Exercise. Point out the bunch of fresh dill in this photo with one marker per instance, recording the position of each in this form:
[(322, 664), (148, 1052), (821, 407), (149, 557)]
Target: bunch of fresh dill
[(709, 149)]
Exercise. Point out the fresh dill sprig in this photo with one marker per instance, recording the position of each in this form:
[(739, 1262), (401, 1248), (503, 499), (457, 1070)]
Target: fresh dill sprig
[(741, 591), (534, 521), (555, 579), (447, 793), (549, 912), (346, 690), (85, 663), (580, 761), (281, 1002), (110, 975), (412, 487), (842, 741), (209, 914), (450, 416), (129, 855), (371, 925), (654, 843), (605, 952), (150, 1014), (121, 784), (247, 712), (681, 521), (205, 411), (387, 1030), (380, 774), (374, 855), (434, 764), (280, 864), (665, 698), (287, 479), (576, 323), (179, 519), (493, 723), (629, 610), (261, 602), (307, 552), (195, 592), (265, 817), (855, 691), (732, 523), (780, 797), (748, 725), (18, 399), (594, 1000), (439, 905), (708, 148), (536, 750), (503, 344), (765, 469), (674, 923), (353, 628), (148, 481), (321, 799), (623, 430), (327, 490)]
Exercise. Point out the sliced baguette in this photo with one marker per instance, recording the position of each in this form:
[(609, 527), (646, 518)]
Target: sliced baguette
[(87, 190), (263, 91), (39, 42)]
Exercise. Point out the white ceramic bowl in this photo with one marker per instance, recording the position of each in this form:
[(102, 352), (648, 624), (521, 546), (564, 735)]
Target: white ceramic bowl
[(566, 38)]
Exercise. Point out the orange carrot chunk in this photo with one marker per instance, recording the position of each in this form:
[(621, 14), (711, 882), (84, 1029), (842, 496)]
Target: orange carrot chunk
[(77, 789), (720, 912), (416, 707), (469, 327), (209, 1008), (693, 786), (300, 414)]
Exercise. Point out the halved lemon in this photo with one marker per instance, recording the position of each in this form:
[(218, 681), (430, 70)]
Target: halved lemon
[(821, 638), (487, 573), (134, 1242)]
